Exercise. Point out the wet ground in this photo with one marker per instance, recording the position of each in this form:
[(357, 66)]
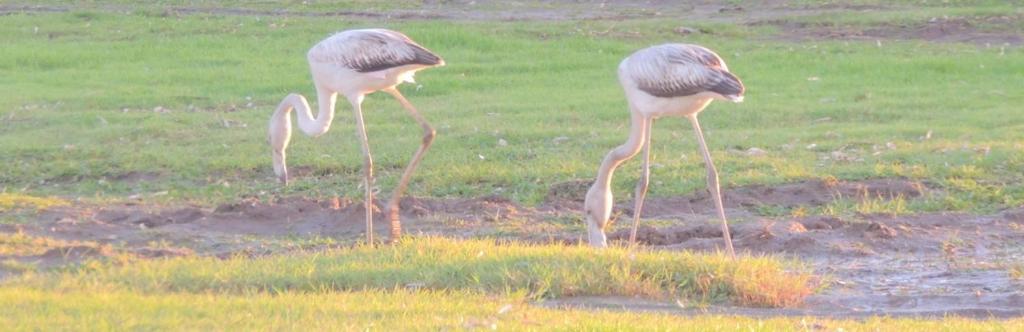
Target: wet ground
[(930, 264)]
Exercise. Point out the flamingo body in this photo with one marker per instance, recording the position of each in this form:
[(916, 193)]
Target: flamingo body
[(659, 81), (355, 63), (676, 80), (363, 61)]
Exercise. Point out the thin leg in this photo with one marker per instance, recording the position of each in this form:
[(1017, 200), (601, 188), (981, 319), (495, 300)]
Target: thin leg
[(713, 186), (428, 138), (357, 109), (641, 185), (597, 207)]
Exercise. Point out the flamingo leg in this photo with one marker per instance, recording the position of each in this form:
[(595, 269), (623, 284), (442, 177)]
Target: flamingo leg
[(713, 185), (641, 185), (357, 109), (428, 138)]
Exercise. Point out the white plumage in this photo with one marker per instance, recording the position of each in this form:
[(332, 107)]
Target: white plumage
[(663, 80), (355, 63)]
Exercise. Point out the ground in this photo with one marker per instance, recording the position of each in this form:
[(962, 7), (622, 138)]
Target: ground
[(896, 180), (931, 264)]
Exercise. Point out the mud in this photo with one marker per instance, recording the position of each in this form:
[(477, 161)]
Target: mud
[(925, 264)]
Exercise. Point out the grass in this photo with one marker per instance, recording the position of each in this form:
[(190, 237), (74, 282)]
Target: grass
[(82, 88), (378, 310), (866, 205), (422, 284), (13, 201), (20, 244), (475, 265)]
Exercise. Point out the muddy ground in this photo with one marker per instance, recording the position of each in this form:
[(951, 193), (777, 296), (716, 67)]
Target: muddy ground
[(930, 264)]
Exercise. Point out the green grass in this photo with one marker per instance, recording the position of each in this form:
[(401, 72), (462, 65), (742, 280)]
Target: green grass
[(422, 284), (477, 265), (389, 311), (81, 89), (401, 310)]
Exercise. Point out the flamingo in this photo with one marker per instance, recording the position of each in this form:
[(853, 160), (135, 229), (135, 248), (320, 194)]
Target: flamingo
[(662, 80), (355, 63)]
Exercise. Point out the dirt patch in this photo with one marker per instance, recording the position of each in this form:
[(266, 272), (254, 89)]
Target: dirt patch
[(743, 202), (230, 228), (808, 193), (926, 264), (220, 230), (477, 10), (487, 10), (568, 192), (74, 253), (822, 236), (817, 306), (144, 219), (991, 30), (995, 30), (135, 177), (20, 253), (917, 265)]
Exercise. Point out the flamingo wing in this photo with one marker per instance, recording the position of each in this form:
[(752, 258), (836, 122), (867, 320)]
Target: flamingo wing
[(677, 70), (372, 50)]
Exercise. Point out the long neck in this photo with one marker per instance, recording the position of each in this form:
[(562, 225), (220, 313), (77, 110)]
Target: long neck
[(280, 130), (638, 128), (307, 123)]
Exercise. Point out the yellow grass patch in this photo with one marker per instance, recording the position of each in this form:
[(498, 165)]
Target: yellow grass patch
[(12, 201)]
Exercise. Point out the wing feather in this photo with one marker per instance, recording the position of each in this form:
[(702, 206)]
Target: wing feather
[(677, 70), (372, 50)]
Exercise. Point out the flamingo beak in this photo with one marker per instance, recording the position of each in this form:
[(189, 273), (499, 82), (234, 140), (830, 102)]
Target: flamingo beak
[(280, 167), (596, 234)]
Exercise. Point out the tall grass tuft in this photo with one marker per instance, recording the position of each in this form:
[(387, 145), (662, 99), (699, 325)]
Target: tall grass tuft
[(543, 271)]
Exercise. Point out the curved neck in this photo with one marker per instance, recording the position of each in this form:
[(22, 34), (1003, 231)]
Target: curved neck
[(280, 129), (307, 123), (639, 126)]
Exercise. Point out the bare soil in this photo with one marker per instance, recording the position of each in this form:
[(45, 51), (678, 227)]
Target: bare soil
[(990, 31), (996, 30), (488, 10), (926, 264)]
